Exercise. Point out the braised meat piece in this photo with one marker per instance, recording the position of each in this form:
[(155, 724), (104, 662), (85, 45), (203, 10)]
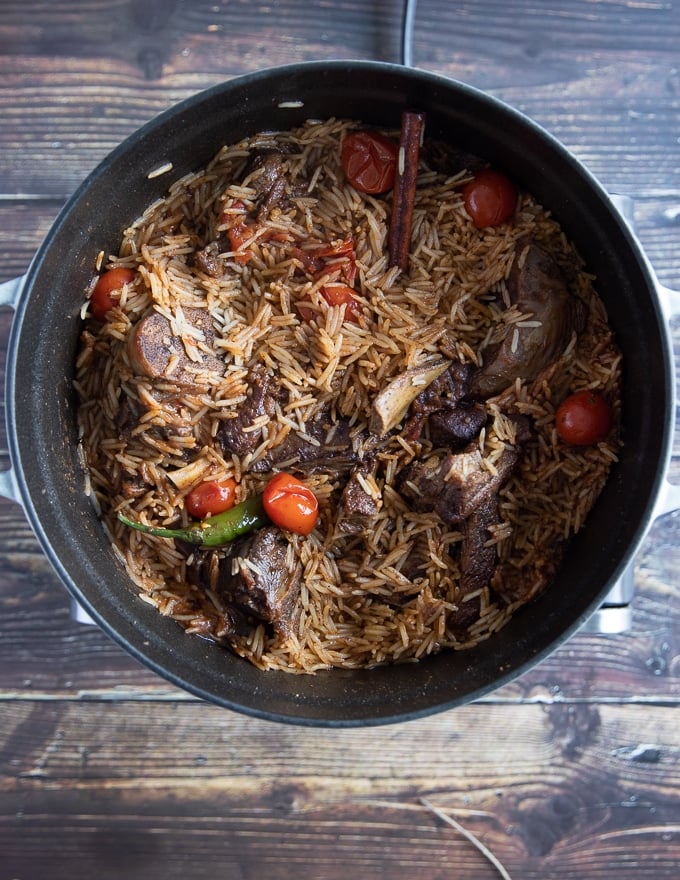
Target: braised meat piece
[(263, 394), (266, 172), (326, 447), (537, 286), (270, 183), (477, 558), (207, 260), (176, 423), (454, 427), (455, 485), (453, 385), (156, 351), (452, 419), (357, 506), (264, 585)]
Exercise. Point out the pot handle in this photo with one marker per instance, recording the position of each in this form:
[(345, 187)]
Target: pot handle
[(669, 496), (615, 613), (670, 299), (10, 293)]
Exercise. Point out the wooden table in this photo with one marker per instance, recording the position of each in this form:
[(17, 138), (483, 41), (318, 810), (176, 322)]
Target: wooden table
[(107, 771)]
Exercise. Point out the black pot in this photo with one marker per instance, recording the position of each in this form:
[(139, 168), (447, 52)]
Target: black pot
[(40, 404)]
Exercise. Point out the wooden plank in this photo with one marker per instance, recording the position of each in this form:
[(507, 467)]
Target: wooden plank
[(23, 226), (106, 770), (610, 96), (539, 34), (566, 792)]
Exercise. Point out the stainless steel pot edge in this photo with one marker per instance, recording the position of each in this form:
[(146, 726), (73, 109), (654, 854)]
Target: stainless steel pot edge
[(10, 295), (616, 613), (668, 498)]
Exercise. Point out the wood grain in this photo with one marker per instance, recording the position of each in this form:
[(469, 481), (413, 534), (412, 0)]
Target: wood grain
[(106, 770), (611, 97), (565, 793)]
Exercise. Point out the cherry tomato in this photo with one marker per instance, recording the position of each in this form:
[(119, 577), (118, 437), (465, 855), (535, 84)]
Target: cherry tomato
[(210, 498), (290, 504), (584, 418), (335, 295), (102, 299), (369, 161), (490, 198)]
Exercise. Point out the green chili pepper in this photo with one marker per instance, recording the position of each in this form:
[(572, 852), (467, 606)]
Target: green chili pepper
[(216, 530)]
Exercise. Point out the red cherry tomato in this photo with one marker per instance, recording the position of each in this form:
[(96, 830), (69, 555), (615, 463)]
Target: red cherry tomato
[(584, 418), (211, 498), (102, 299), (369, 161), (490, 198), (290, 504)]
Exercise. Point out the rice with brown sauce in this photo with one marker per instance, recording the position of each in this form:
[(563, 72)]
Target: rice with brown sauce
[(393, 591)]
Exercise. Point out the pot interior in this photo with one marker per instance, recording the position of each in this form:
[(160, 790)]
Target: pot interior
[(42, 405)]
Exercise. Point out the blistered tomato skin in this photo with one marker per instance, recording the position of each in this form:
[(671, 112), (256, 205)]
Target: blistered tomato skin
[(211, 498), (490, 199), (369, 161), (290, 504), (584, 419)]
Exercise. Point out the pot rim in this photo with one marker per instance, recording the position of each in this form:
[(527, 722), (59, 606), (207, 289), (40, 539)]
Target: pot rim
[(122, 629)]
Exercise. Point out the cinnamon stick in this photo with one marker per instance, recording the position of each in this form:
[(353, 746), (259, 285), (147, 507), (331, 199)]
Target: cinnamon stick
[(404, 192)]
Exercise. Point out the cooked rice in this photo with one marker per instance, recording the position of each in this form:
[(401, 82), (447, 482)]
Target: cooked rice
[(357, 607)]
